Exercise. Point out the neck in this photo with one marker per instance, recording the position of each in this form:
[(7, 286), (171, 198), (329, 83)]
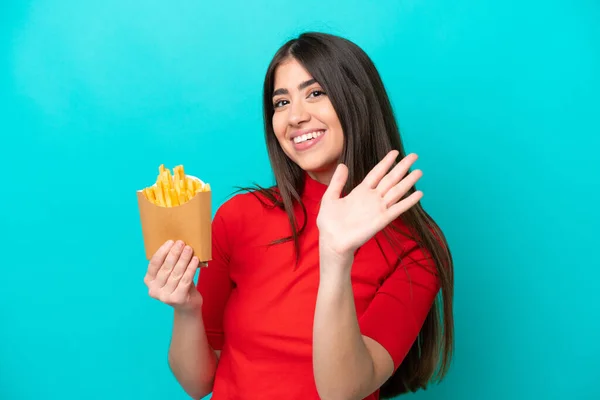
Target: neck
[(323, 177)]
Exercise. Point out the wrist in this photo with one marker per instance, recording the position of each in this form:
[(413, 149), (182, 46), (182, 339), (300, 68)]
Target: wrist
[(334, 252), (188, 312)]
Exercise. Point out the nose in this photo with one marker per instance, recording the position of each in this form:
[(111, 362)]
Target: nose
[(298, 114)]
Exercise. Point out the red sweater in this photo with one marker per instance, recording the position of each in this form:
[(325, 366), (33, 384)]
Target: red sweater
[(258, 308)]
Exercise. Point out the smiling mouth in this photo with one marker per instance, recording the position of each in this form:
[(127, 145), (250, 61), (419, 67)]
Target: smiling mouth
[(308, 136), (308, 140)]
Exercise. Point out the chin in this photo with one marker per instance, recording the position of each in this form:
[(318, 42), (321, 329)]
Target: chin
[(319, 161), (316, 165)]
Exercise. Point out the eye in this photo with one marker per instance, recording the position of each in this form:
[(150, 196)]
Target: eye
[(279, 103), (316, 93)]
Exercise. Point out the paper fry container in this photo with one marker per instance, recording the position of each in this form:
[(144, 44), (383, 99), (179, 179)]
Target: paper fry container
[(189, 222)]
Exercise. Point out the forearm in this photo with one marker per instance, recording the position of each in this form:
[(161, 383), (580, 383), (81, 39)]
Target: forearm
[(343, 366), (191, 358)]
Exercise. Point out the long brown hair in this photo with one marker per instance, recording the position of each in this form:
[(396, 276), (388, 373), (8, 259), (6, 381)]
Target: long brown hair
[(357, 93)]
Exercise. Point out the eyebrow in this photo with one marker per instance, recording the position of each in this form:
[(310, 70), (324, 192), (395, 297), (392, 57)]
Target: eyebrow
[(301, 86)]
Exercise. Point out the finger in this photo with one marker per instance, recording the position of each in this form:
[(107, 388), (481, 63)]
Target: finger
[(396, 174), (169, 264), (179, 269), (338, 180), (397, 209), (157, 260), (401, 188), (187, 279), (374, 176)]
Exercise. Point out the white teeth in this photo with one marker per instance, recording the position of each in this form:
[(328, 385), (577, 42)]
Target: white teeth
[(307, 136)]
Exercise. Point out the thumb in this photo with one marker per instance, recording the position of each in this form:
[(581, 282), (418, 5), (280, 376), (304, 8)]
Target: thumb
[(338, 180)]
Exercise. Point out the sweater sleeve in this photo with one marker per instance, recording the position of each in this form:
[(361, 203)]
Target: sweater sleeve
[(214, 282), (399, 308)]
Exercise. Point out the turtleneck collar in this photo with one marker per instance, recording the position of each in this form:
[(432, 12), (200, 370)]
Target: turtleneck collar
[(313, 189)]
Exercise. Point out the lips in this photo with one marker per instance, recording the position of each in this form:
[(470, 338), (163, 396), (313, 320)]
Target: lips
[(303, 141), (299, 138)]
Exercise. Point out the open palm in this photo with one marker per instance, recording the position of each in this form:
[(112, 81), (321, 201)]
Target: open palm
[(346, 223)]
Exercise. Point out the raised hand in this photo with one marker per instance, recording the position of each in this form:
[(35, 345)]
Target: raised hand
[(347, 223), (170, 276)]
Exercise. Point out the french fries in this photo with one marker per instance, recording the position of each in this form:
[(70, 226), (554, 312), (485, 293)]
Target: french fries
[(171, 190)]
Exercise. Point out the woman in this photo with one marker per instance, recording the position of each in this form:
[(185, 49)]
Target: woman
[(326, 285)]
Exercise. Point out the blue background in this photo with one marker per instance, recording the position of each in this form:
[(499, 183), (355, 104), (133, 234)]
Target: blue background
[(499, 99)]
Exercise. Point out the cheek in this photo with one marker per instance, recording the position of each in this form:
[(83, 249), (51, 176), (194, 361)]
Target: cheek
[(279, 126), (328, 115), (334, 124)]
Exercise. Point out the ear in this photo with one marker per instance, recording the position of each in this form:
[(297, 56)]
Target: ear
[(338, 180)]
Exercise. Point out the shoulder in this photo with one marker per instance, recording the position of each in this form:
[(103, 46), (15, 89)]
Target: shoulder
[(244, 208), (394, 241), (244, 203), (400, 247), (242, 217)]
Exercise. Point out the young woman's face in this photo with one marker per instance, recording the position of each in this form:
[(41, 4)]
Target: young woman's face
[(305, 122)]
